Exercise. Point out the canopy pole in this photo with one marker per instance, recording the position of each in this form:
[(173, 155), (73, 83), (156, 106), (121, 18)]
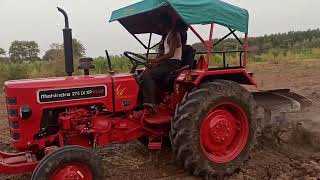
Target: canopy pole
[(245, 48), (209, 47), (149, 44), (198, 35)]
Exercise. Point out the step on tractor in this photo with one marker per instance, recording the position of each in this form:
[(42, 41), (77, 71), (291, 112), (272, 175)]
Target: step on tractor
[(208, 114)]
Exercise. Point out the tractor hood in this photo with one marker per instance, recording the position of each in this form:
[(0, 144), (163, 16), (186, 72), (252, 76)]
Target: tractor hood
[(58, 90), (57, 81), (74, 90), (28, 99)]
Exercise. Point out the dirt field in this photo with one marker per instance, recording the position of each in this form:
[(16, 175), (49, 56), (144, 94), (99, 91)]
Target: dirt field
[(289, 151)]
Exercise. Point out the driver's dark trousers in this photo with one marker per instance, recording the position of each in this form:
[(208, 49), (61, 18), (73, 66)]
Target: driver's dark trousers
[(152, 78)]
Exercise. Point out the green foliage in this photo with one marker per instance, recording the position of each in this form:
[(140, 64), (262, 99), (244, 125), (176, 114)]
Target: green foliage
[(13, 72), (24, 51), (79, 50), (119, 64), (2, 52), (55, 52)]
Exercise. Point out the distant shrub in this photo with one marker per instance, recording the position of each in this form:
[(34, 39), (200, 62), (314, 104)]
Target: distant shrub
[(17, 71)]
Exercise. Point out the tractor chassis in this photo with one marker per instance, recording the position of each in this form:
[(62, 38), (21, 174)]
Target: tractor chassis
[(104, 130)]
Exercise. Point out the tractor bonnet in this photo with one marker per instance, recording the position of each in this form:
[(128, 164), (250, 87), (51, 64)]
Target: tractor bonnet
[(142, 17)]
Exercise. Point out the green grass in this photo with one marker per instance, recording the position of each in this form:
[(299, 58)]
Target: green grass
[(36, 69)]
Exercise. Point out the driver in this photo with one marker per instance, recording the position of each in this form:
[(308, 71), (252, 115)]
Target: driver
[(167, 61)]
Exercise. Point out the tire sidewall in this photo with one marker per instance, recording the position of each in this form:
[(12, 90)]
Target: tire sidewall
[(65, 155), (189, 116), (203, 114)]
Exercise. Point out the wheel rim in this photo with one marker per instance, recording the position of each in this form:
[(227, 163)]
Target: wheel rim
[(224, 132), (73, 171)]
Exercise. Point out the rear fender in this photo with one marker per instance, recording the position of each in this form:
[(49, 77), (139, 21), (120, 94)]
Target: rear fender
[(239, 76)]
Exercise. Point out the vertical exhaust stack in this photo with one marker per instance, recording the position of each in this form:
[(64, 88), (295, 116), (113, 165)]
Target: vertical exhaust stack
[(67, 41)]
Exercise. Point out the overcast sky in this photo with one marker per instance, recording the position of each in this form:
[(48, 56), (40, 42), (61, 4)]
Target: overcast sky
[(39, 20)]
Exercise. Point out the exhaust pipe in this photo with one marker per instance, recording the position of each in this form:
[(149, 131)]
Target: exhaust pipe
[(67, 41)]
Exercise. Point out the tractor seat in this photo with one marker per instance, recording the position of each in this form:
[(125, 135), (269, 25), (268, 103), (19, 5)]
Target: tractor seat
[(187, 62)]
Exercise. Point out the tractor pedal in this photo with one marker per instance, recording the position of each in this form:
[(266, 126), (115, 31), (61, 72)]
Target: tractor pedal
[(155, 145)]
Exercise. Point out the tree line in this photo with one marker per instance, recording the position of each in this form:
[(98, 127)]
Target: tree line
[(283, 41), (21, 51)]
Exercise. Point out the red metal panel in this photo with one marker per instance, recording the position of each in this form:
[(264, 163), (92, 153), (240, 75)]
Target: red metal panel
[(13, 163), (201, 74), (126, 91), (26, 93)]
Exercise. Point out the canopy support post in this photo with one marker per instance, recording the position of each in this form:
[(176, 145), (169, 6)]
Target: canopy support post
[(223, 38), (209, 47), (245, 48), (149, 44), (198, 35), (232, 31)]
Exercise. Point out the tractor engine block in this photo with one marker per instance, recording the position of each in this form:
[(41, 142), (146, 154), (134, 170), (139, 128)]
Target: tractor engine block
[(75, 124)]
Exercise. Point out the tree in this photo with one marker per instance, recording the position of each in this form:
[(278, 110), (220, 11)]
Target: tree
[(56, 51), (2, 52), (24, 50), (79, 50)]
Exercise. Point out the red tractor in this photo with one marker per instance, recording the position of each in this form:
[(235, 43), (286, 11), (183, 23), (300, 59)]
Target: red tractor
[(206, 113)]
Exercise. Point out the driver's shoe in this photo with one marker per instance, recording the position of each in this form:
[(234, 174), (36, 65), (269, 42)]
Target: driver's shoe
[(156, 115), (150, 108)]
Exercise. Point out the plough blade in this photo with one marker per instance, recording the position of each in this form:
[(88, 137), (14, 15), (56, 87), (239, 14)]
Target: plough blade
[(281, 101)]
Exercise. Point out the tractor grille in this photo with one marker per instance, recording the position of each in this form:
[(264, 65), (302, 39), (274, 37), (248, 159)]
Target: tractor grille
[(11, 101), (13, 117)]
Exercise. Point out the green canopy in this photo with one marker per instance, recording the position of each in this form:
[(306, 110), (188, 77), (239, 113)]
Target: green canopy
[(142, 17)]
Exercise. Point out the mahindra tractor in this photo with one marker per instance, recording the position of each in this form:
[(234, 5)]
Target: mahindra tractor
[(208, 114)]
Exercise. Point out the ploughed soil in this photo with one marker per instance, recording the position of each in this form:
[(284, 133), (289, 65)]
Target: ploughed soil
[(286, 149)]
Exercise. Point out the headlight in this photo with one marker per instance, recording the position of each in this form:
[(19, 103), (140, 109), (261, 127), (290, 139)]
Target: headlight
[(25, 112)]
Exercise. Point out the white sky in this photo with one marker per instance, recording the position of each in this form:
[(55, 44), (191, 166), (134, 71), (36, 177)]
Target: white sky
[(39, 20)]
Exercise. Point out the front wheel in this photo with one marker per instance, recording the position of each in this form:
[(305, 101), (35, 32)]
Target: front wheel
[(213, 129), (69, 162)]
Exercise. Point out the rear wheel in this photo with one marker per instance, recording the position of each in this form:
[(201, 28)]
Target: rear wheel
[(213, 129), (69, 162)]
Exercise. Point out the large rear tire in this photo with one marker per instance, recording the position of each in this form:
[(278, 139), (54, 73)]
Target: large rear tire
[(69, 162), (213, 129)]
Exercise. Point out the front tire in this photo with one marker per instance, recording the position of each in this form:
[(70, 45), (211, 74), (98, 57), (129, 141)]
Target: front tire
[(69, 162), (213, 129)]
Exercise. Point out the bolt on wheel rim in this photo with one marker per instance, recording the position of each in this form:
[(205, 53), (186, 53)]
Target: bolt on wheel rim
[(224, 132)]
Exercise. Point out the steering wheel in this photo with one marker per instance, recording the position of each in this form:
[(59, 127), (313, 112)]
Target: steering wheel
[(135, 59)]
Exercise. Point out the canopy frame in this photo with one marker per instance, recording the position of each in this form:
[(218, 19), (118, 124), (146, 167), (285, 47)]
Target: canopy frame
[(131, 22), (209, 45)]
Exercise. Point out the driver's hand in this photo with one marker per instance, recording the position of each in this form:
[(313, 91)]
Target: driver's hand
[(151, 62)]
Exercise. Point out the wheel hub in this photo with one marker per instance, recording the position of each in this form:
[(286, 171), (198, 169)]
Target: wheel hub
[(221, 131), (224, 132), (73, 172)]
